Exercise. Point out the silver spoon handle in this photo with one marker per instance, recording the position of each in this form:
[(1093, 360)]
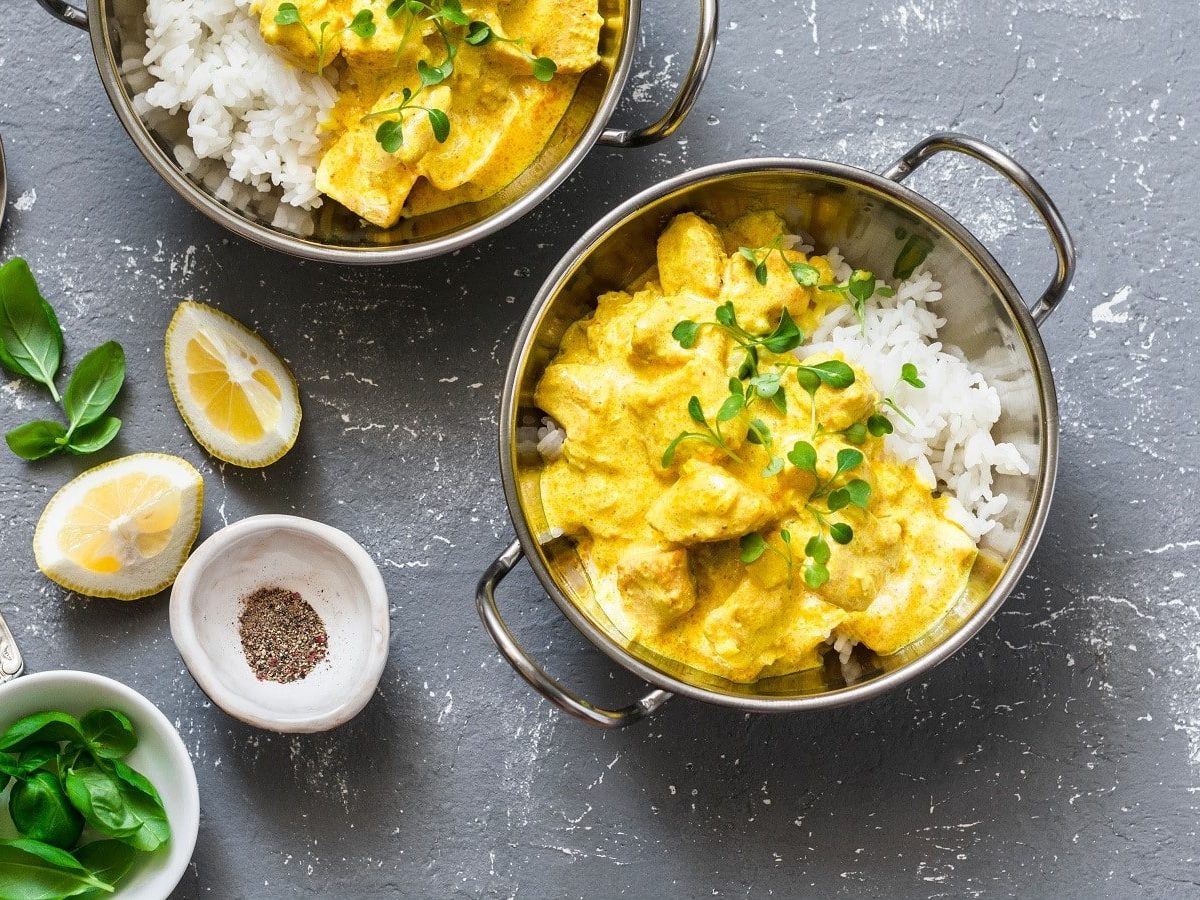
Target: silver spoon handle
[(11, 664)]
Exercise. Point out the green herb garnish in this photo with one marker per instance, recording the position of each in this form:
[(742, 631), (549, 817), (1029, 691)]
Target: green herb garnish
[(785, 337), (711, 433), (860, 287), (452, 26), (803, 273), (911, 255), (754, 545), (31, 346)]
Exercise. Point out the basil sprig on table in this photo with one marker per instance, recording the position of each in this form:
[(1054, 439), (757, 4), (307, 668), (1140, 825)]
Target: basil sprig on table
[(31, 346), (69, 773)]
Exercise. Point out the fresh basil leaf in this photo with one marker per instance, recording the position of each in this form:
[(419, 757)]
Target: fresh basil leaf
[(41, 728), (31, 341), (94, 436), (94, 384), (32, 870), (752, 547), (109, 733), (107, 860), (40, 811), (36, 440), (119, 802)]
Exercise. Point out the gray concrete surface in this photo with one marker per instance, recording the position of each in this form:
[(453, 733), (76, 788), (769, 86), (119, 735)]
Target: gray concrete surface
[(1057, 755)]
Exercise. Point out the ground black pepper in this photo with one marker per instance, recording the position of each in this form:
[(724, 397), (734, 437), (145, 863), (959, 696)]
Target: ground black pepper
[(282, 636)]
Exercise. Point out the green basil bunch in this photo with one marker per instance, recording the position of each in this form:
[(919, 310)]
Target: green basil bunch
[(31, 346), (69, 775)]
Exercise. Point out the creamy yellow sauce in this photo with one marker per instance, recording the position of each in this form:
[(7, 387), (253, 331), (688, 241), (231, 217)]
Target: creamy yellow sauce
[(500, 115), (661, 544)]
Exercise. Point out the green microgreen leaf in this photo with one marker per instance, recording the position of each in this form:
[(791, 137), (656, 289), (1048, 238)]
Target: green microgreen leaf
[(390, 135), (440, 123), (753, 546), (730, 409), (544, 68), (909, 374), (804, 274), (856, 433), (774, 467), (879, 424), (808, 379), (817, 549), (841, 532), (861, 285), (859, 492), (803, 455), (726, 315), (287, 14), (760, 272), (847, 458), (695, 411), (815, 575), (786, 336), (686, 333), (478, 33), (363, 24), (838, 499)]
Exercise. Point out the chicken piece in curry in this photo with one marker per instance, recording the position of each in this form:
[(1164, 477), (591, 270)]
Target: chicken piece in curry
[(779, 523), (439, 103)]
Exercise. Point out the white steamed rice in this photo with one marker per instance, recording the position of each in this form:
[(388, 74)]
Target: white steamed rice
[(949, 440), (246, 106)]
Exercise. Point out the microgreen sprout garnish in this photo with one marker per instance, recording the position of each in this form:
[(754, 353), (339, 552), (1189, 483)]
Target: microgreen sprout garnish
[(480, 33), (832, 373), (363, 24), (711, 433), (785, 337), (754, 545), (852, 492), (452, 26), (804, 274), (757, 432), (860, 287)]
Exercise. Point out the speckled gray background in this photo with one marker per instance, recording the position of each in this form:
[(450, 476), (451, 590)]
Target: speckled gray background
[(1059, 754)]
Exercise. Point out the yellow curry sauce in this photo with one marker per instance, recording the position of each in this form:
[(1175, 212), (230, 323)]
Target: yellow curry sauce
[(661, 544), (500, 114)]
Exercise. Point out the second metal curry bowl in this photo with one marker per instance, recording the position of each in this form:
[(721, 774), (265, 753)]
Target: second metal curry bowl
[(861, 213), (332, 233)]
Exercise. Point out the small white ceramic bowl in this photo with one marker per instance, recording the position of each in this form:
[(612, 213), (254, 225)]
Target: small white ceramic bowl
[(327, 568), (159, 755)]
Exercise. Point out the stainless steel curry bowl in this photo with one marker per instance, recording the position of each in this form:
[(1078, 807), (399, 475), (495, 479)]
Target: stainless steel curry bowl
[(332, 233), (862, 213)]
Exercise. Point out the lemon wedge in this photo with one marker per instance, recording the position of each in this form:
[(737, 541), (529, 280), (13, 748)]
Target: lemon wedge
[(122, 529), (237, 397)]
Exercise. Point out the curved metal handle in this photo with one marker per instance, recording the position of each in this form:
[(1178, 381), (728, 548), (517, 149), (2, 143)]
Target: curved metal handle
[(485, 599), (11, 664), (689, 90), (1060, 237), (65, 12)]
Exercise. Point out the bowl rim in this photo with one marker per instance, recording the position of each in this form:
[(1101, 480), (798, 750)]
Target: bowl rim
[(1026, 327), (104, 56), (169, 877), (188, 643)]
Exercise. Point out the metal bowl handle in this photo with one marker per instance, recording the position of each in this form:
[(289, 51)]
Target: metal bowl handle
[(568, 701), (65, 12), (689, 90), (1060, 237)]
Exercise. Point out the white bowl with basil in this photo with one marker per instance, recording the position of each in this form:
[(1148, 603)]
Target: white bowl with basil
[(105, 793)]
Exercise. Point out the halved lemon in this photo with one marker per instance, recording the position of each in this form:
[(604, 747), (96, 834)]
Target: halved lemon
[(237, 397), (122, 529)]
